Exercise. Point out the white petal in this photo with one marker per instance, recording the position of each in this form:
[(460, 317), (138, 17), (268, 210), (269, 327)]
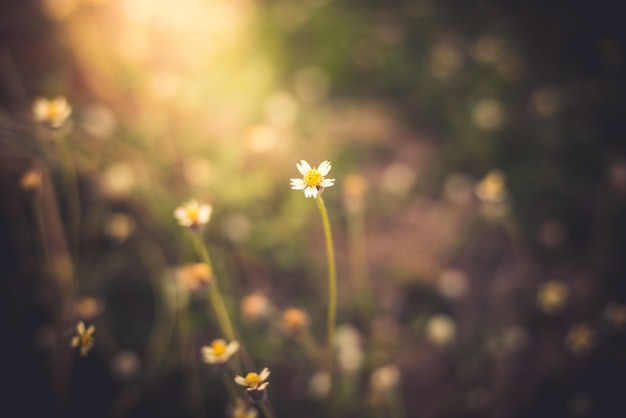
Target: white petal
[(80, 327), (232, 348), (204, 214), (328, 182), (240, 381), (298, 185), (303, 167), (324, 168), (310, 192), (262, 386), (265, 373)]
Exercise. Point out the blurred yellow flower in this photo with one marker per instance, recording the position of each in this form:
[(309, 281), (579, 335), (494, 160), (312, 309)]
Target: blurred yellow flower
[(441, 330), (87, 308), (580, 339), (52, 113), (254, 381), (295, 320), (194, 276), (193, 214), (552, 296), (615, 313), (385, 378), (255, 307), (354, 188), (313, 180), (242, 411), (84, 340), (219, 352), (491, 189), (31, 181)]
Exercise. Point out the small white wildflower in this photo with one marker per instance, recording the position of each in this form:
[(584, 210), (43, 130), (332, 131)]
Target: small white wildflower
[(193, 214), (219, 352), (313, 180)]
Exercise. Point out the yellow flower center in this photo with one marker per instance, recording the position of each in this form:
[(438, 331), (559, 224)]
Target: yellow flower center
[(253, 379), (313, 178), (54, 111), (219, 347), (192, 213), (86, 340)]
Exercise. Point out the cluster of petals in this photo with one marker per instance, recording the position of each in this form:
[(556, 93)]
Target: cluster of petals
[(219, 352), (312, 181), (84, 339)]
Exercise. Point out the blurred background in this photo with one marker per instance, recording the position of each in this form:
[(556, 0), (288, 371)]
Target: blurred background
[(479, 208)]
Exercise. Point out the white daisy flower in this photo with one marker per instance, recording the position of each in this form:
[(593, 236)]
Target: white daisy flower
[(313, 180), (193, 214), (52, 113), (219, 352), (253, 381)]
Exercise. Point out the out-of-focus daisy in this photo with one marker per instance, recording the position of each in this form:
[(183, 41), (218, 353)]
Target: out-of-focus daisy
[(492, 188), (193, 277), (354, 189), (552, 296), (615, 313), (219, 352), (242, 411), (52, 113), (295, 320), (313, 180), (84, 340), (193, 214), (441, 330), (255, 307), (580, 339), (31, 181), (255, 384)]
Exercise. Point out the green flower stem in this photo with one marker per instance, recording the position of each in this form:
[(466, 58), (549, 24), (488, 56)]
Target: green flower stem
[(214, 292), (332, 282), (70, 178), (230, 386), (265, 410)]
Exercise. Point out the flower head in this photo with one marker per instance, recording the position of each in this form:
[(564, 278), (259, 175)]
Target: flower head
[(255, 307), (552, 296), (254, 382), (242, 411), (52, 113), (295, 320), (84, 340), (194, 276), (580, 339), (492, 188), (219, 352), (193, 214), (31, 181), (313, 180), (615, 313)]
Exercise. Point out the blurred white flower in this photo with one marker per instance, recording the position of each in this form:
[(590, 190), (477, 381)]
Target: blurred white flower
[(441, 330), (52, 113), (452, 284), (319, 384), (385, 378), (350, 354), (219, 352), (193, 214)]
